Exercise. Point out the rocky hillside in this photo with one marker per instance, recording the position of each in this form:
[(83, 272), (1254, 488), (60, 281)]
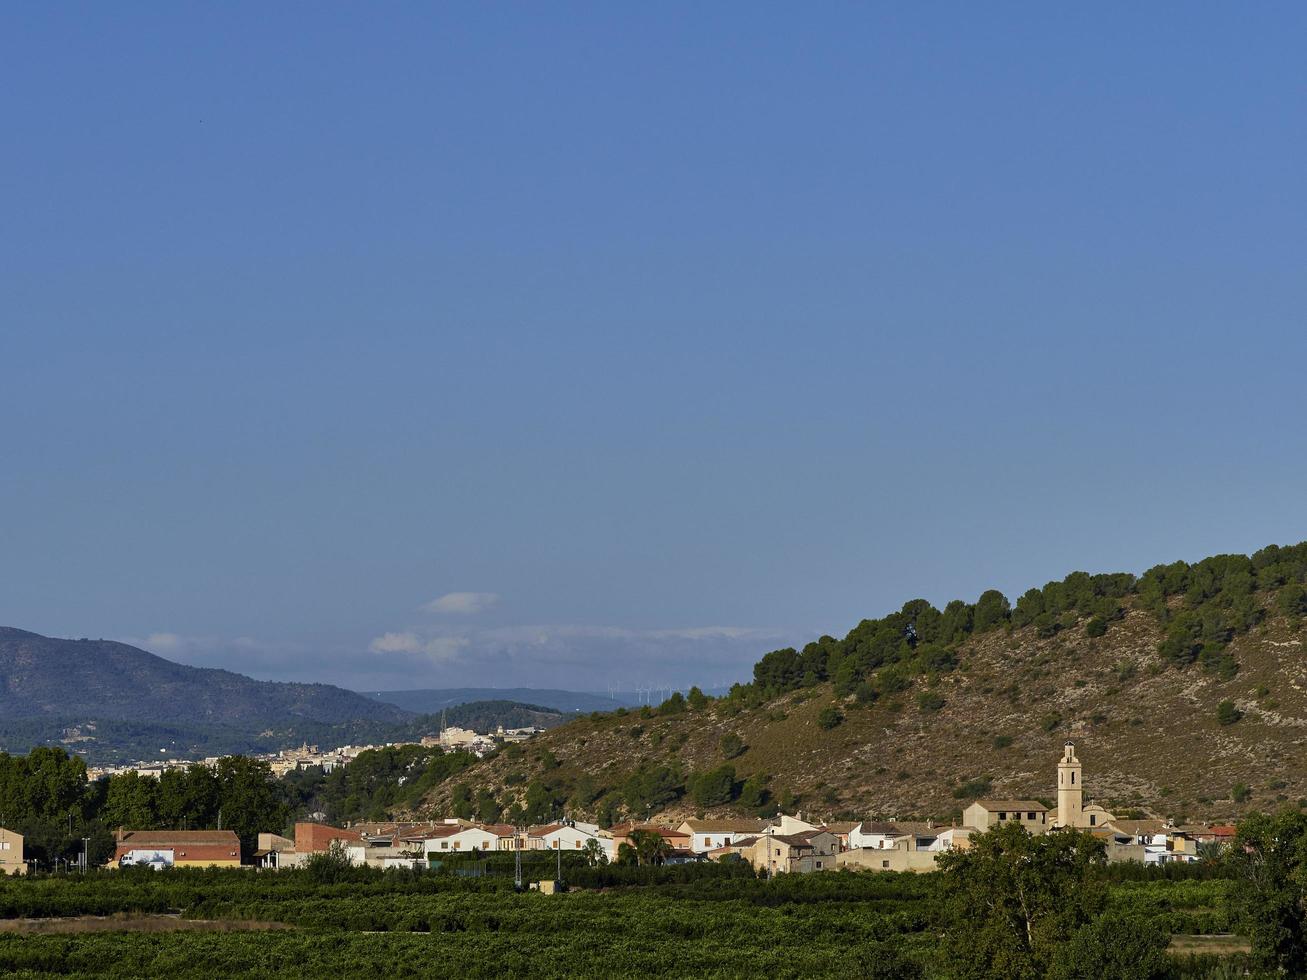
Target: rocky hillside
[(1185, 690)]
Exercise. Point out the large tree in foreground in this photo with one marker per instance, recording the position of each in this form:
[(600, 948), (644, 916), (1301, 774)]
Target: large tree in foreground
[(1015, 898), (1269, 858)]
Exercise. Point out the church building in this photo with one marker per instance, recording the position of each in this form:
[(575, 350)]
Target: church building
[(1071, 809)]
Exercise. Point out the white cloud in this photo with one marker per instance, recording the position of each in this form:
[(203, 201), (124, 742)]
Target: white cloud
[(582, 656), (436, 648), (396, 643), (462, 603), (165, 642)]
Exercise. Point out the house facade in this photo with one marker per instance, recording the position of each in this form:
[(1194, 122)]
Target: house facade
[(988, 814), (12, 859), (708, 835), (177, 848)]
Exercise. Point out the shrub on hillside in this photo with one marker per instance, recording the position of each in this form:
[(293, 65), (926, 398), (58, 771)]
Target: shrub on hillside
[(830, 718), (1227, 713), (930, 700), (731, 745)]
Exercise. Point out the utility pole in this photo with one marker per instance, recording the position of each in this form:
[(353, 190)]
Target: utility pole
[(86, 846), (517, 863)]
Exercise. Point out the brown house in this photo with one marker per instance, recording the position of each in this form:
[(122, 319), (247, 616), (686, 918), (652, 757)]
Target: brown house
[(315, 838), (621, 834)]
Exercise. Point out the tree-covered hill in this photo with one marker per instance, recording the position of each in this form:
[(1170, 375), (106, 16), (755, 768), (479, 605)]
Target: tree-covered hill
[(111, 699), (486, 716), (1185, 687)]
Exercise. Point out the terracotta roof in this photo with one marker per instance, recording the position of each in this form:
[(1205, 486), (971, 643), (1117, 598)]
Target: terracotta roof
[(810, 834), (793, 840), (626, 829), (1136, 827), (177, 838), (994, 805), (433, 833), (840, 826), (544, 829)]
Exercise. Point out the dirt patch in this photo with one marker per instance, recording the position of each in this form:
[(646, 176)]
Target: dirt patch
[(130, 923), (1219, 945)]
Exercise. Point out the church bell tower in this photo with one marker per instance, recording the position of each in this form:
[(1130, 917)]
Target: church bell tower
[(1070, 792)]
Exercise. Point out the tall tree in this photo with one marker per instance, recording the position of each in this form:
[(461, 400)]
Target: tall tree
[(1015, 898), (1269, 857)]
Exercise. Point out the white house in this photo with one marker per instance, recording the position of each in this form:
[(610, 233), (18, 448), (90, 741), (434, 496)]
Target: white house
[(875, 834), (558, 836), (456, 839), (708, 835), (785, 825)]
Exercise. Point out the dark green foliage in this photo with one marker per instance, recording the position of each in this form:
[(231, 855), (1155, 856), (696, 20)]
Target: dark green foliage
[(460, 801), (1096, 626), (1227, 713), (547, 759), (992, 609), (1292, 600), (731, 745), (713, 788), (1016, 898), (651, 788), (754, 794), (830, 718), (930, 700), (1050, 721), (972, 789), (375, 783), (1269, 859), (1241, 793), (674, 705), (1122, 947), (1002, 741)]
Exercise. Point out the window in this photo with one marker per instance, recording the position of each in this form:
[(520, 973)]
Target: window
[(884, 864), (1093, 819), (4, 845), (1073, 779), (1030, 816), (457, 844), (444, 845), (1002, 815)]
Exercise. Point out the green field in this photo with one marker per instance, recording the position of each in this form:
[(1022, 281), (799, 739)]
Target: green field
[(712, 920)]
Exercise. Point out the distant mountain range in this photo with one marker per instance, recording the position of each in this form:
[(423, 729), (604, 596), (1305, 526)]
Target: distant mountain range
[(433, 701), (44, 677), (114, 702)]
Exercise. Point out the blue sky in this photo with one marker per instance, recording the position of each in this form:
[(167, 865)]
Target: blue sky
[(656, 338)]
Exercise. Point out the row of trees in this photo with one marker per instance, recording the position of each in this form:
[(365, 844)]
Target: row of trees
[(47, 797)]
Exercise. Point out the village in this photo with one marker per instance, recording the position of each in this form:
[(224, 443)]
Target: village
[(307, 756), (785, 844)]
